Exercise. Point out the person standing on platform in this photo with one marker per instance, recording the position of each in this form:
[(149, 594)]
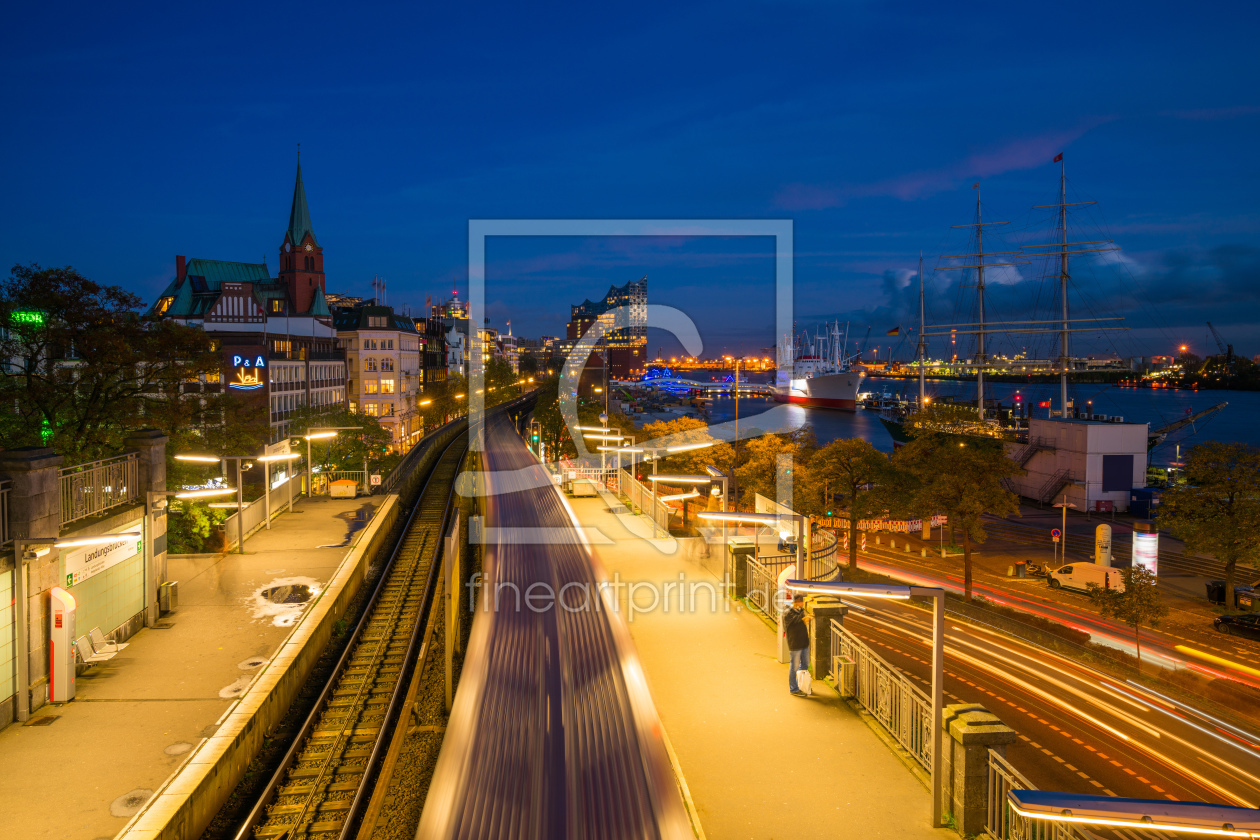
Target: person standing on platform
[(797, 641)]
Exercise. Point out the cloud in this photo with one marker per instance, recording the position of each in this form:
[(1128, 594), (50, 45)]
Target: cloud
[(1024, 153)]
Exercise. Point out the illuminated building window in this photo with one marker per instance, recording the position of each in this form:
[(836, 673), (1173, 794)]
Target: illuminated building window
[(354, 407), (370, 386), (164, 304), (387, 386), (277, 305), (369, 409), (369, 364)]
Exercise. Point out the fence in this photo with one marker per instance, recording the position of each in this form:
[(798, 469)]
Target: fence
[(254, 514), (886, 693), (643, 499), (320, 482), (89, 489), (1002, 823), (4, 512)]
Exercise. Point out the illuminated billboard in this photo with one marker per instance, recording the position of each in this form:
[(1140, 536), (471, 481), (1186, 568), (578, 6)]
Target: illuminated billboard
[(1146, 551), (248, 372)]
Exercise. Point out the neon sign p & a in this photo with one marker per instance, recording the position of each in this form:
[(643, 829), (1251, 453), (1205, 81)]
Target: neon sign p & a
[(248, 372)]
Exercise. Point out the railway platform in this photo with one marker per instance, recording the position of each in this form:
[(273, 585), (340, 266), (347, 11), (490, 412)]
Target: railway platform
[(137, 718), (757, 761)]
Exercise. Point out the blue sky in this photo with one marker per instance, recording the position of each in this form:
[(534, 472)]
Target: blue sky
[(138, 132)]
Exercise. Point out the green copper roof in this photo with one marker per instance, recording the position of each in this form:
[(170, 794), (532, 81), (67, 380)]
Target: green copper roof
[(300, 215), (319, 306), (216, 272)]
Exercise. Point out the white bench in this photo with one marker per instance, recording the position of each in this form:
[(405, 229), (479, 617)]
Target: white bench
[(100, 644), (87, 655)]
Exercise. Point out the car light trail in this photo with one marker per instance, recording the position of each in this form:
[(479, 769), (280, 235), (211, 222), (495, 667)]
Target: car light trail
[(1217, 660)]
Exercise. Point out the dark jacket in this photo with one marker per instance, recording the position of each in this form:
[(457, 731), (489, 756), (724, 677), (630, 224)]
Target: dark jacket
[(795, 630)]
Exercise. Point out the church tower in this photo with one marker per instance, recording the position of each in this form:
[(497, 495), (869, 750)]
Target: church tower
[(301, 258)]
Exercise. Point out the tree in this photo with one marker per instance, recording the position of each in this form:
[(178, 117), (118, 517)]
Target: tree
[(1217, 509), (759, 470), (688, 431), (859, 478), (82, 366), (1139, 604), (351, 447), (962, 477)]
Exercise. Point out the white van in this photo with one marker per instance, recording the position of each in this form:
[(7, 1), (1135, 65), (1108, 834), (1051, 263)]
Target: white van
[(1081, 575)]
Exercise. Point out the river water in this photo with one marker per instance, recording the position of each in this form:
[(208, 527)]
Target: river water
[(1237, 422)]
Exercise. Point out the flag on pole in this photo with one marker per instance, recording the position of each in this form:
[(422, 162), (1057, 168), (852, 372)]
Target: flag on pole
[(1058, 157), (976, 185), (1043, 404), (895, 331)]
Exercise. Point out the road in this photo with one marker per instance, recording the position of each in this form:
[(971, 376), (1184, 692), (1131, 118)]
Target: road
[(1080, 731), (1199, 649)]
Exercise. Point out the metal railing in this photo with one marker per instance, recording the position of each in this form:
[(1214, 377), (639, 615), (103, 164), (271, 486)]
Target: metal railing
[(643, 499), (92, 488), (886, 693), (5, 486), (1002, 823), (763, 584), (1054, 484), (321, 482)]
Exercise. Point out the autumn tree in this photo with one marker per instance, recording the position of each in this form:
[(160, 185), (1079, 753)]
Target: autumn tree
[(861, 480), (1216, 510), (758, 470), (82, 366), (1138, 604), (963, 478)]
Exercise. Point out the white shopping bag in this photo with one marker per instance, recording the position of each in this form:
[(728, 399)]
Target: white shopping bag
[(804, 682)]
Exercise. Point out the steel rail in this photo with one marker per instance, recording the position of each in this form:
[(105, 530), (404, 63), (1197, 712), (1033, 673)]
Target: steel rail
[(258, 813)]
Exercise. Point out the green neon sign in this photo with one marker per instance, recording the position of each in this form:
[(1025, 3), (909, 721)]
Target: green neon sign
[(27, 316)]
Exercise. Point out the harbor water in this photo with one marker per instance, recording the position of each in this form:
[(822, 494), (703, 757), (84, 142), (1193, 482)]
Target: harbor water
[(1158, 407)]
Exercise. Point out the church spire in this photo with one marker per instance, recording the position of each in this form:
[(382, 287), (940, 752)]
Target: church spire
[(300, 215)]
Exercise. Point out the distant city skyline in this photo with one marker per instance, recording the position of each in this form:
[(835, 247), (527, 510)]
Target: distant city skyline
[(865, 124)]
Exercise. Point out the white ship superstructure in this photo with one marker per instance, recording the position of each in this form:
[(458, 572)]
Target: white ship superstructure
[(815, 372)]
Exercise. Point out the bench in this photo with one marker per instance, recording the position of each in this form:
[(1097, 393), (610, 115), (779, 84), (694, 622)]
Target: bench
[(87, 655), (100, 644)]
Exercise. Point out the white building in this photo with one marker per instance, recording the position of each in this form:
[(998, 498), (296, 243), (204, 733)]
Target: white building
[(1089, 461), (383, 373)]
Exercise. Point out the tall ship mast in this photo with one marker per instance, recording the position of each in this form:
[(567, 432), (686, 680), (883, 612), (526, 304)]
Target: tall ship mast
[(988, 420)]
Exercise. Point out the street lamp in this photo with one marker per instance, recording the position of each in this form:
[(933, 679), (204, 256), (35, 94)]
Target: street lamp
[(937, 594), (320, 433)]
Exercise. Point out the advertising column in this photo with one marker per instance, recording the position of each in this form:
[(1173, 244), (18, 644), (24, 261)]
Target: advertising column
[(1146, 547)]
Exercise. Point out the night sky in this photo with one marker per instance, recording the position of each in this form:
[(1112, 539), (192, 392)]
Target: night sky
[(135, 133)]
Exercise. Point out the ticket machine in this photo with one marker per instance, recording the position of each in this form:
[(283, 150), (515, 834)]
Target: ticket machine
[(61, 646)]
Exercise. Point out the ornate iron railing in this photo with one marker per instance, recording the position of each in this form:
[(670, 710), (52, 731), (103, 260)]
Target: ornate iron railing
[(886, 693), (92, 488)]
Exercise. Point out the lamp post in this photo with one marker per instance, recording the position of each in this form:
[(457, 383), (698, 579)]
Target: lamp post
[(1065, 504), (319, 433), (937, 594), (155, 500), (200, 494)]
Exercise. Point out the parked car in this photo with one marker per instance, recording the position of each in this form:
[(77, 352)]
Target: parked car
[(1239, 625), (1081, 575)]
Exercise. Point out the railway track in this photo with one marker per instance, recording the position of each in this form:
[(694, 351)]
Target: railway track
[(325, 781)]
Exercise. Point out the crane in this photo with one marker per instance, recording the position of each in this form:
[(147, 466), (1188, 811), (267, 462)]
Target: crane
[(1227, 350)]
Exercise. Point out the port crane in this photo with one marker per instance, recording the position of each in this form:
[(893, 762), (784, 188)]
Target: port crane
[(1227, 350)]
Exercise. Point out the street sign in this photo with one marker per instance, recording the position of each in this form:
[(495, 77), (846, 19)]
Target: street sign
[(376, 480), (1055, 538), (1056, 533)]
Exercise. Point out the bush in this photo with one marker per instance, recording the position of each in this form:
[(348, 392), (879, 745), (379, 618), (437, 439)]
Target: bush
[(194, 529)]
